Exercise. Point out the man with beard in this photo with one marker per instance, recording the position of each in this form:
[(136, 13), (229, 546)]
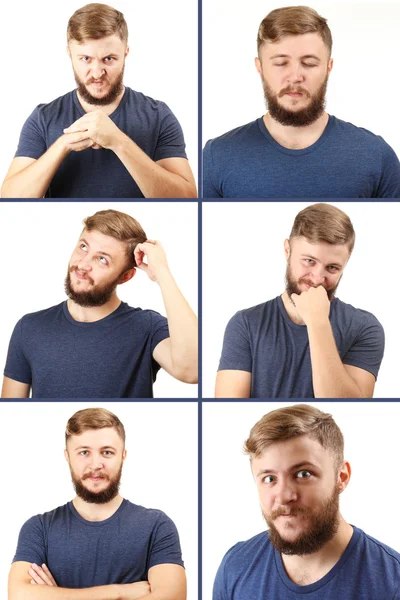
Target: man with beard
[(93, 345), (297, 461), (103, 139), (305, 343), (100, 545), (297, 149)]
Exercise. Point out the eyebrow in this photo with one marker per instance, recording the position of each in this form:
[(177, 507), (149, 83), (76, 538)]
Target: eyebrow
[(333, 264), (90, 448), (113, 54), (313, 56), (292, 468), (97, 251)]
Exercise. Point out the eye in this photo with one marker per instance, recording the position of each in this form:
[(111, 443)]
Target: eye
[(83, 246), (268, 479), (309, 66), (309, 261), (280, 64), (108, 453), (303, 474), (85, 58), (333, 269), (103, 260), (84, 453), (109, 59)]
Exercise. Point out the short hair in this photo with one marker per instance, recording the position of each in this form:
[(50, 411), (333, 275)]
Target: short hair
[(120, 226), (324, 223), (93, 418), (293, 20), (95, 21), (292, 421)]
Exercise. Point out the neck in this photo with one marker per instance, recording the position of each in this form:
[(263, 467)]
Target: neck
[(97, 512), (93, 313), (291, 310), (296, 138), (310, 568), (107, 109)]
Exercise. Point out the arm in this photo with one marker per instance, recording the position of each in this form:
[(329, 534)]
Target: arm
[(20, 587), (331, 379), (178, 354), (30, 178), (167, 582), (14, 389), (167, 178), (233, 384)]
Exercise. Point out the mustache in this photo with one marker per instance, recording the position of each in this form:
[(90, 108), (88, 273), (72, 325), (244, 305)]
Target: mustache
[(295, 511), (91, 474), (294, 90), (75, 268), (92, 80)]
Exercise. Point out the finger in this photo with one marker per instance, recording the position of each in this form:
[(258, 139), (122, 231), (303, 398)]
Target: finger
[(154, 242), (36, 578), (33, 582), (72, 138), (39, 571), (78, 146), (138, 253), (143, 266), (48, 573)]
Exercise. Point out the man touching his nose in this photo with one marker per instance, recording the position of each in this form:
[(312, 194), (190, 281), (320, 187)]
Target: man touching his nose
[(305, 343)]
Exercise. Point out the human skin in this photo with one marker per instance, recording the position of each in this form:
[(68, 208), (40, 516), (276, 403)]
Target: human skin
[(300, 473), (98, 63), (98, 259), (322, 265)]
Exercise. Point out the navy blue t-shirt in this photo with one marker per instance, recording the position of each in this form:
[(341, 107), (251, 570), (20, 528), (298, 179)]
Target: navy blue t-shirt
[(81, 553), (264, 341), (100, 173), (345, 162), (253, 570), (110, 358)]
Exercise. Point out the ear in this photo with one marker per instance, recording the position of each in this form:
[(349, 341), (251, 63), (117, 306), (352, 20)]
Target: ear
[(68, 51), (344, 476), (124, 455), (127, 275), (66, 455), (258, 64), (286, 245), (127, 51), (330, 66)]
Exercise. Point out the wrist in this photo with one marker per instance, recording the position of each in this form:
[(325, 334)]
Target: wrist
[(119, 142), (317, 321), (163, 274), (61, 145)]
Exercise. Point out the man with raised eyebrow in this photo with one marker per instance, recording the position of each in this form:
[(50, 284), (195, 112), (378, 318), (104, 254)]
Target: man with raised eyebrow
[(306, 342), (103, 139), (93, 345), (309, 551), (297, 149), (99, 546)]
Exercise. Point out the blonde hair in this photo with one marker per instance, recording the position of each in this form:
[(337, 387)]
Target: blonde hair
[(324, 223), (95, 21), (93, 418)]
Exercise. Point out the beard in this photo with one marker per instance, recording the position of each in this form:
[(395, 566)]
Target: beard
[(101, 497), (98, 296), (293, 285), (323, 526), (295, 118), (115, 90)]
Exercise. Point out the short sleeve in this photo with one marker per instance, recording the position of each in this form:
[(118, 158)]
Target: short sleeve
[(236, 351), (219, 589), (367, 350), (209, 187), (170, 143), (32, 140), (31, 542), (389, 184), (165, 546), (159, 329), (17, 366)]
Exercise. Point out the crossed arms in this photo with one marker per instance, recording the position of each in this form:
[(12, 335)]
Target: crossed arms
[(166, 178), (166, 582)]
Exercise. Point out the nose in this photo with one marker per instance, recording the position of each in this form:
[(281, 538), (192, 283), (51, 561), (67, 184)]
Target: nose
[(285, 493), (97, 463), (295, 74), (97, 70), (84, 264), (318, 276)]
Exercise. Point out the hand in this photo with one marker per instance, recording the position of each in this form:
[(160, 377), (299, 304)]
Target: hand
[(134, 591), (312, 305), (75, 142), (156, 259), (41, 575), (97, 126)]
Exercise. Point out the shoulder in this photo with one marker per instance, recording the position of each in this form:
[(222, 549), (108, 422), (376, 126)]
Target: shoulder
[(256, 314), (142, 315), (146, 103), (381, 556), (360, 135), (233, 137), (152, 517), (56, 106), (42, 315), (356, 317), (41, 522), (242, 553)]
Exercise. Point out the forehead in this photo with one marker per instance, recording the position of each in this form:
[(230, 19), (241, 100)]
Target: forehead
[(324, 252), (110, 44), (96, 438), (296, 47), (98, 242), (284, 455)]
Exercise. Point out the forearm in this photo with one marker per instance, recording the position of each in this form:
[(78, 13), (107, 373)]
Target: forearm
[(33, 180), (27, 591), (330, 378), (153, 180), (183, 328)]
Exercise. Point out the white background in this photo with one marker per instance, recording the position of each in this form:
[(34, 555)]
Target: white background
[(244, 265), (231, 510), (36, 243), (363, 85), (162, 62), (160, 470)]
